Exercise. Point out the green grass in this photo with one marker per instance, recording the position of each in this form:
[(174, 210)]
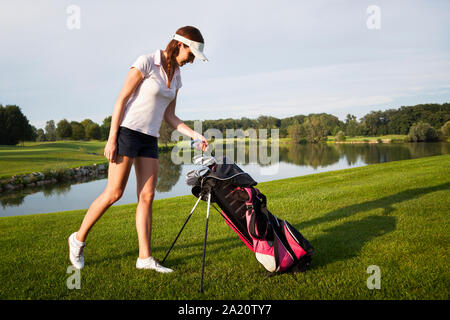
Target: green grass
[(391, 137), (41, 156), (393, 215)]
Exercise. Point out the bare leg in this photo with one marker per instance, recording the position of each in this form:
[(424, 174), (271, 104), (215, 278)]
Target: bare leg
[(118, 173), (146, 178)]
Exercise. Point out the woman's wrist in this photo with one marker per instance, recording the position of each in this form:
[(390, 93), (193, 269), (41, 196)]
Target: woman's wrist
[(112, 138), (196, 136)]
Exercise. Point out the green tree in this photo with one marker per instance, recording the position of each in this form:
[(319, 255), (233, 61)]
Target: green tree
[(330, 122), (314, 130), (105, 127), (2, 124), (40, 135), (50, 130), (63, 129), (14, 126), (268, 123), (351, 126), (445, 130), (287, 122), (78, 132), (294, 132), (91, 129), (246, 123), (33, 135), (94, 132), (373, 121), (422, 131)]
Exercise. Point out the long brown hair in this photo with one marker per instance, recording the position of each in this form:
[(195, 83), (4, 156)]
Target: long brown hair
[(172, 50)]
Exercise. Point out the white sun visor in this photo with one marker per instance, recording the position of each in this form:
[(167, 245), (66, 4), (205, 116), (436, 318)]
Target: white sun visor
[(196, 47)]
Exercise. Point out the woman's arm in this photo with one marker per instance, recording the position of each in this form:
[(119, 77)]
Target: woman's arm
[(180, 126), (133, 79)]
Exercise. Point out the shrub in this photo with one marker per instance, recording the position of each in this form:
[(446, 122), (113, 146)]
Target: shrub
[(314, 130), (445, 130), (340, 136), (422, 131)]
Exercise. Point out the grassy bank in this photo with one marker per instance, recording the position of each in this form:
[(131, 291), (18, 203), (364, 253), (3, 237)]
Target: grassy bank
[(42, 156), (392, 215), (374, 139), (393, 138)]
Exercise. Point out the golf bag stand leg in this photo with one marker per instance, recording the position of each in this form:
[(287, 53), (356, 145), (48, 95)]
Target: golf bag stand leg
[(189, 216), (204, 243)]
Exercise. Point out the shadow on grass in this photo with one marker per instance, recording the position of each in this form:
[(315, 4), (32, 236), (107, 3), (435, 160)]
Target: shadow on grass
[(191, 250), (195, 250), (384, 203), (346, 240)]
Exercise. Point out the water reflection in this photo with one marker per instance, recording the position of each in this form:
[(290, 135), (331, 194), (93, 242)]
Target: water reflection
[(313, 155), (16, 198), (307, 158), (378, 153), (168, 173)]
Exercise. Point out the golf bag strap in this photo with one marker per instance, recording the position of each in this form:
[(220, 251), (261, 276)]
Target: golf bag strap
[(252, 225)]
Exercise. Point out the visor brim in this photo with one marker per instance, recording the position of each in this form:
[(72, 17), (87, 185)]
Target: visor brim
[(198, 54)]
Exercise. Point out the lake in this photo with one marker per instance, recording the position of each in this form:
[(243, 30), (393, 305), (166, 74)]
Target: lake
[(293, 161)]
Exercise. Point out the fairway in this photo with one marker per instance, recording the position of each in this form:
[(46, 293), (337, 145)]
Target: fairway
[(392, 215), (42, 156)]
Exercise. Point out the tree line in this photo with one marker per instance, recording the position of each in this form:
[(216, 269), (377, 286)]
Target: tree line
[(427, 120), (73, 130), (422, 120), (15, 128)]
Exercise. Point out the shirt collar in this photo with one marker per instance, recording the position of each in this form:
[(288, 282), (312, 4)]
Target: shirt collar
[(157, 60)]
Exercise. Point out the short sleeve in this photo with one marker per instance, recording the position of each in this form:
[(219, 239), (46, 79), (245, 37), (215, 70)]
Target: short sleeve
[(143, 64)]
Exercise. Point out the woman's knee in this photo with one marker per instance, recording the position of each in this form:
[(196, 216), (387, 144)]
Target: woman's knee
[(146, 197), (113, 195)]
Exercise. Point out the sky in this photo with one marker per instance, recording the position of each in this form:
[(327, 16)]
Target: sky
[(274, 58)]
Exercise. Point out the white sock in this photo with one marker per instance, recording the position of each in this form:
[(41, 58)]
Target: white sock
[(78, 242), (146, 260)]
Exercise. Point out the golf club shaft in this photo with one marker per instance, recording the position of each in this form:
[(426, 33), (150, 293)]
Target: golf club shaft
[(204, 243), (189, 216)]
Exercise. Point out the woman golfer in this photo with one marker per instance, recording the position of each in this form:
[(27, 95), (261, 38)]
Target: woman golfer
[(148, 95)]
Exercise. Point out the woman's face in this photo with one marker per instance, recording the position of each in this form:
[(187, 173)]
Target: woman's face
[(184, 55)]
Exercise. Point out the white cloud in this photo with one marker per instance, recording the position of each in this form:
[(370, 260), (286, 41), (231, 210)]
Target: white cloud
[(316, 89), (275, 58)]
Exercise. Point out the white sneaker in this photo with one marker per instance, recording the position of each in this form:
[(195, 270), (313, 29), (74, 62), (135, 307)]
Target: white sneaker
[(76, 251), (151, 263)]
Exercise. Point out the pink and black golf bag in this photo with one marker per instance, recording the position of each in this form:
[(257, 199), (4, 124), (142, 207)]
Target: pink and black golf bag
[(277, 245)]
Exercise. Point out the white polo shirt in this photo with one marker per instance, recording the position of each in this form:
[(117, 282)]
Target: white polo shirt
[(145, 108)]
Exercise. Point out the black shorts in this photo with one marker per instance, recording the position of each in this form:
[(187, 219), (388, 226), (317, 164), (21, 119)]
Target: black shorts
[(134, 144)]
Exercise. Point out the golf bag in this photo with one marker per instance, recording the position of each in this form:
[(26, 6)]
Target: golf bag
[(277, 245)]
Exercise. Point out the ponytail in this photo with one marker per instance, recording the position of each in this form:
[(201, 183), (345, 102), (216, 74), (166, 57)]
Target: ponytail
[(172, 50)]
